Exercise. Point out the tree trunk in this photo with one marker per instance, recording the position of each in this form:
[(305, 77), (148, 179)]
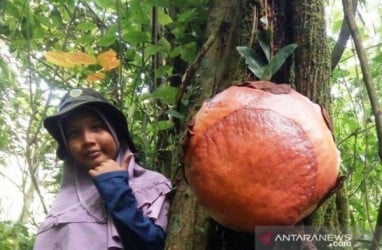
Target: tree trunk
[(312, 60), (312, 79), (189, 224)]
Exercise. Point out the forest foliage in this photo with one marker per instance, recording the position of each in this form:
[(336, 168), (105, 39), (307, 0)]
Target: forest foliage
[(151, 40)]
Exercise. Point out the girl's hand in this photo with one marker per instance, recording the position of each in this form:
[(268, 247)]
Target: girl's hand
[(110, 166)]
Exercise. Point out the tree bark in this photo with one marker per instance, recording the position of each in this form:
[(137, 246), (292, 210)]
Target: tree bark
[(312, 65), (190, 227), (312, 79)]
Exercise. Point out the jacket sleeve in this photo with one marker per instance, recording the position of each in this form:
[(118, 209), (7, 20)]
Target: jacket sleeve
[(136, 230)]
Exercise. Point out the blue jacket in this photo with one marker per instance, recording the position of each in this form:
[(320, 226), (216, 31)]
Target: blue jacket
[(136, 230)]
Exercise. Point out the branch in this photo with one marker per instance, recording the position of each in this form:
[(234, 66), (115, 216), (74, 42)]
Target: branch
[(348, 11), (378, 230), (97, 20), (154, 40), (342, 39), (362, 57), (10, 179), (354, 133), (187, 76)]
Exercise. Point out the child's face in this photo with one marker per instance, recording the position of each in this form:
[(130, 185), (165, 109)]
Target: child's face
[(88, 139)]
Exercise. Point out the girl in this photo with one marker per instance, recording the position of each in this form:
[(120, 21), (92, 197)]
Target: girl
[(106, 200)]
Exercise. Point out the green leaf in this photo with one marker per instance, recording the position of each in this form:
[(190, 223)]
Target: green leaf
[(264, 41), (27, 27), (166, 124), (163, 71), (377, 59), (176, 51), (39, 32), (135, 37), (89, 40), (164, 19), (188, 52), (110, 37), (86, 26), (152, 49), (186, 15), (105, 3), (145, 96), (256, 70), (107, 40), (166, 93), (3, 5), (277, 61), (175, 113), (55, 17), (163, 46), (252, 59), (5, 74)]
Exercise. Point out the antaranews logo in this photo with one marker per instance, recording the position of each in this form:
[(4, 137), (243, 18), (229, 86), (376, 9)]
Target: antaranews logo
[(294, 236), (266, 238), (331, 240)]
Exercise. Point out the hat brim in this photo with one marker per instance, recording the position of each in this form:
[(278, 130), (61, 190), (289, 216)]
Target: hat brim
[(114, 115), (51, 123)]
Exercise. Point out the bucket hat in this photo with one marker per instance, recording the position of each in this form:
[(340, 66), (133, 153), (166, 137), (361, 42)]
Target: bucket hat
[(81, 97)]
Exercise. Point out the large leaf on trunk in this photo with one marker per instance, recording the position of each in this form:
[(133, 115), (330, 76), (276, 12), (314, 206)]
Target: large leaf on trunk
[(277, 61), (253, 60)]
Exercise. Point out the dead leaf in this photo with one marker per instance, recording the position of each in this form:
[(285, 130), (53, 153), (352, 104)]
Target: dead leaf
[(80, 58), (108, 60), (98, 76), (58, 58)]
